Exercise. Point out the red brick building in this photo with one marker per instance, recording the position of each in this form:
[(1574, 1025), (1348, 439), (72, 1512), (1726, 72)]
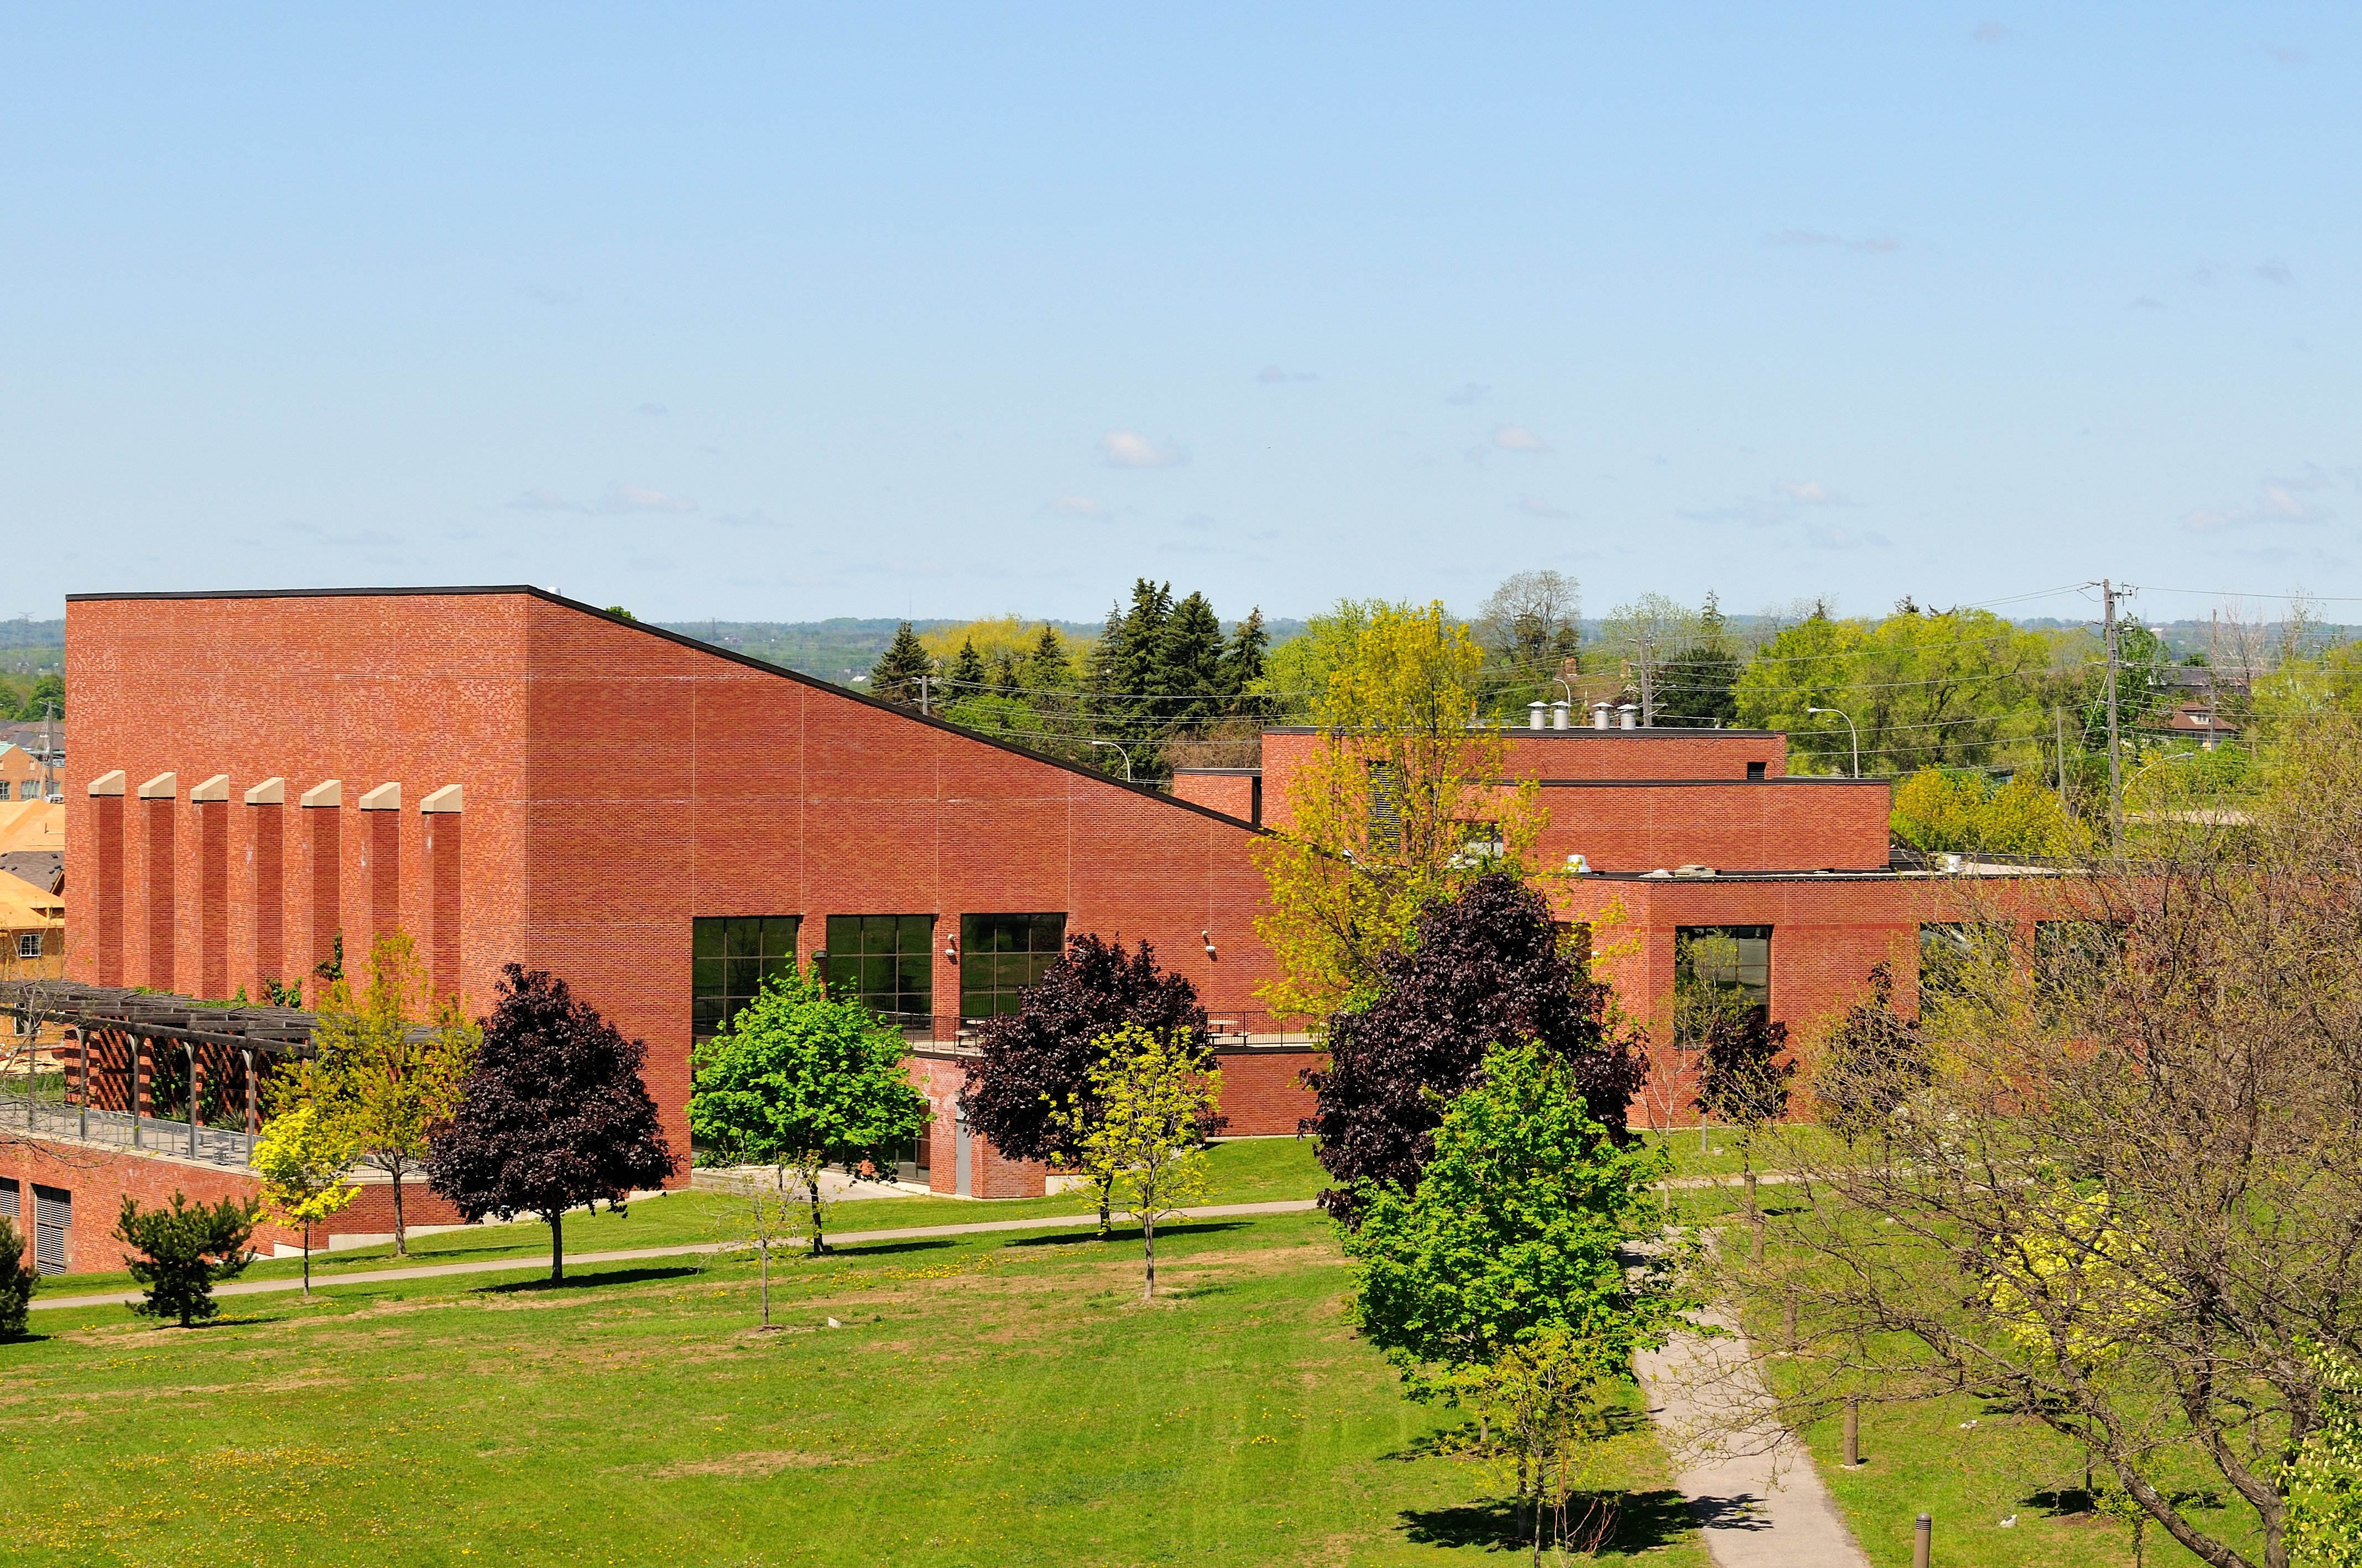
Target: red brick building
[(255, 774)]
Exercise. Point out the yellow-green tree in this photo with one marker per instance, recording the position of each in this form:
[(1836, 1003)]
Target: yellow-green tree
[(1936, 810), (1142, 1143), (392, 1060), (304, 1160), (1401, 801)]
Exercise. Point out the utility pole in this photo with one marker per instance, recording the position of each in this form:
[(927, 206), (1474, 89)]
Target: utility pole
[(2108, 593), (925, 678), (2059, 716)]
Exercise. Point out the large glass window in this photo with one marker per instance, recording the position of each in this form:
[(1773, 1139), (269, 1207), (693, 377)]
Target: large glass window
[(1000, 955), (1721, 968), (1950, 954), (2072, 959), (729, 957), (889, 961)]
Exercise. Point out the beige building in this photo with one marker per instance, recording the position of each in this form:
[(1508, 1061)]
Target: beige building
[(21, 773)]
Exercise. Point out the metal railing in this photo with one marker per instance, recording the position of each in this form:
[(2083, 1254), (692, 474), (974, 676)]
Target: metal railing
[(42, 1106)]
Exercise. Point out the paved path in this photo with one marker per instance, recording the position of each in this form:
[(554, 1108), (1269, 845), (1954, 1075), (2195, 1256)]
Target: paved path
[(1752, 1488), (533, 1264)]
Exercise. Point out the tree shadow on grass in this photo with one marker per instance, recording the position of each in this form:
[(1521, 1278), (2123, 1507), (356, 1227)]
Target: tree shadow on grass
[(1644, 1521), (587, 1281), (878, 1249), (1128, 1233)]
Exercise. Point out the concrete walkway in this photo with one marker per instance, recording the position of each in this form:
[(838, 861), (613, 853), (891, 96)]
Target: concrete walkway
[(1752, 1487), (530, 1264)]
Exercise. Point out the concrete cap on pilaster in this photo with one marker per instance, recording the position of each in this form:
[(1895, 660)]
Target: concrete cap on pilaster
[(447, 799), (385, 798), (109, 783), (163, 786), (214, 789), (270, 792), (327, 792)]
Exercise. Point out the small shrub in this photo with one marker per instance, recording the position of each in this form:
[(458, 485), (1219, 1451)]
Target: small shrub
[(186, 1251), (18, 1279)]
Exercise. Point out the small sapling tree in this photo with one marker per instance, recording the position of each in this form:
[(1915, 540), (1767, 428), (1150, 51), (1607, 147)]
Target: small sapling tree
[(801, 1079), (304, 1159), (185, 1250), (1139, 1137), (1030, 1087), (552, 1114), (1517, 1225), (392, 1060), (18, 1279)]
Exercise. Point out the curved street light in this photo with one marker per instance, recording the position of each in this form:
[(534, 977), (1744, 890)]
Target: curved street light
[(1849, 730), (1119, 752)]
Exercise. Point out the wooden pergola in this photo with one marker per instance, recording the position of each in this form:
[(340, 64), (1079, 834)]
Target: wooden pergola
[(147, 1022)]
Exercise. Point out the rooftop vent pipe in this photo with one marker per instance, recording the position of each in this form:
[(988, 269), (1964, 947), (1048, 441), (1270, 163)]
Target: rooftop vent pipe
[(1630, 714), (1560, 714), (1534, 714), (1600, 712)]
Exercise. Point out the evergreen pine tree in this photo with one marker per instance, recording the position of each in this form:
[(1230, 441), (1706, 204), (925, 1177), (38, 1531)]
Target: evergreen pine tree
[(1047, 669), (895, 676), (967, 676), (1001, 678), (1242, 662), (1188, 668)]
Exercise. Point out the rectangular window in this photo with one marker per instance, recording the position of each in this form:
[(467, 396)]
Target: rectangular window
[(52, 1220), (11, 1198), (29, 944), (1729, 963), (1000, 955), (888, 962), (1950, 953), (1755, 771), (729, 957), (2072, 958)]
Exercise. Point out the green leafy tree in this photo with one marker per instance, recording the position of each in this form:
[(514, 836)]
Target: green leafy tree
[(895, 677), (391, 1066), (304, 1159), (1139, 1137), (1519, 1225), (2323, 1482), (1935, 809), (186, 1250), (18, 1279), (801, 1079)]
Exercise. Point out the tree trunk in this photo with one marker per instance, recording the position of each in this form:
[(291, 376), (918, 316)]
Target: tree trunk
[(401, 1237), (556, 1245), (1148, 1232), (307, 1257), (812, 1190), (1107, 1197)]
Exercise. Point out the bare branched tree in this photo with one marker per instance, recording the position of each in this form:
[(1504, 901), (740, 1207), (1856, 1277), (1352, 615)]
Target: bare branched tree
[(2110, 1178)]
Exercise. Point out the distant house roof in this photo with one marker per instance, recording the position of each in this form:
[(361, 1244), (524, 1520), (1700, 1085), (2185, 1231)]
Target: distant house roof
[(24, 907), (2200, 719), (32, 824), (44, 869)]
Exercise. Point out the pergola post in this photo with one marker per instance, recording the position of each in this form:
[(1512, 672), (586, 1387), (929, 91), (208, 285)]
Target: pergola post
[(81, 1055), (253, 1122), (191, 1047), (138, 1091)]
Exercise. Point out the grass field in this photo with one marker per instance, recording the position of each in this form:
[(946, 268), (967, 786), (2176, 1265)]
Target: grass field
[(1003, 1399)]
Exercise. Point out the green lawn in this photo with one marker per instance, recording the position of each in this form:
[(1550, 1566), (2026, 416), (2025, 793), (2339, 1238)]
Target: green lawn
[(1248, 1170), (1001, 1399)]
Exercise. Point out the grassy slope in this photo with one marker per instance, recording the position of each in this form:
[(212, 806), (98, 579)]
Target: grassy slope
[(1255, 1170), (988, 1400)]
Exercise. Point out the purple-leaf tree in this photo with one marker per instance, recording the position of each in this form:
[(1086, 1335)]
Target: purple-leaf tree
[(1485, 968), (1037, 1062), (553, 1116)]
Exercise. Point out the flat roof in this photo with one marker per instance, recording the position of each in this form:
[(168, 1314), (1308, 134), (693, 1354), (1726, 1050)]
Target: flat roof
[(1519, 732)]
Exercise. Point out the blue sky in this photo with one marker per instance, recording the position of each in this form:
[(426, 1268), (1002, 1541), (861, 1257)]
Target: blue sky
[(778, 313)]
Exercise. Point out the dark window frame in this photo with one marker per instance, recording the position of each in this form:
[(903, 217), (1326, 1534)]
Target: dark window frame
[(1741, 962), (887, 961), (729, 958), (1001, 953)]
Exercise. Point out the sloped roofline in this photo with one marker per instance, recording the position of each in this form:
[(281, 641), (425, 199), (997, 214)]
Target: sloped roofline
[(833, 689)]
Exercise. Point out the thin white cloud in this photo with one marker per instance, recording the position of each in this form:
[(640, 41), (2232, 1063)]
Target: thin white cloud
[(627, 498), (1535, 506), (756, 519), (1988, 33), (544, 501), (1829, 537), (1467, 393), (2145, 303), (1274, 375), (1811, 492), (2274, 271), (1518, 438), (2289, 498), (1078, 506), (653, 410), (554, 296), (1130, 450), (1870, 244), (2287, 56)]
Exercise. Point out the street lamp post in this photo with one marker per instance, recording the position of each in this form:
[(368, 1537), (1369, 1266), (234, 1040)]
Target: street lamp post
[(1119, 750), (1849, 730)]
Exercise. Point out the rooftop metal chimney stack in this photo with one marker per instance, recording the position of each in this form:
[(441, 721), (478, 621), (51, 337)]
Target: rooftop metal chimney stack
[(1630, 714), (1600, 712), (1561, 713), (1534, 714)]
